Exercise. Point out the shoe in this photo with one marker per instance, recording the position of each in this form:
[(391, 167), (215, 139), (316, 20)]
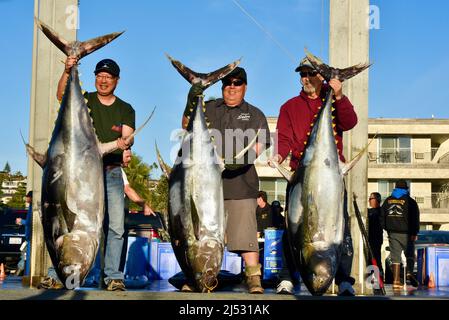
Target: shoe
[(50, 283), (254, 284), (345, 289), (412, 280), (285, 287), (187, 288), (116, 285)]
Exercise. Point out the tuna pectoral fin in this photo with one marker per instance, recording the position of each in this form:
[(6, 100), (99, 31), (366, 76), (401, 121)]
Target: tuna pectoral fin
[(111, 146), (284, 172), (164, 167), (206, 79), (67, 47), (41, 159), (250, 145), (329, 73), (348, 166)]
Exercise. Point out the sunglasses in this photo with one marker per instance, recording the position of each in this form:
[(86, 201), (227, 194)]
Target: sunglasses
[(236, 83), (308, 74), (371, 198)]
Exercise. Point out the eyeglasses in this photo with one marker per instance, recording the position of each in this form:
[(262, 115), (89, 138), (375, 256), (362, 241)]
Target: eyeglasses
[(371, 198), (107, 78), (308, 74), (236, 83)]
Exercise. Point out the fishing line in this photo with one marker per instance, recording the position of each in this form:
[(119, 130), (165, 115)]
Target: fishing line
[(264, 30)]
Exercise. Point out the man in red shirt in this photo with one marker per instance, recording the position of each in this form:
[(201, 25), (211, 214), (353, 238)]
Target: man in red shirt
[(293, 127)]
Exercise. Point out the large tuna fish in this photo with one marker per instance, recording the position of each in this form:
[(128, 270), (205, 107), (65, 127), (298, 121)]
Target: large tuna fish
[(315, 220), (197, 219), (72, 182)]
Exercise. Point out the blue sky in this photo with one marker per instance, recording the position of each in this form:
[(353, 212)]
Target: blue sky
[(409, 52)]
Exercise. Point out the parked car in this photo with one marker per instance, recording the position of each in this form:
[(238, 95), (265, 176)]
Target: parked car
[(426, 238), (11, 236)]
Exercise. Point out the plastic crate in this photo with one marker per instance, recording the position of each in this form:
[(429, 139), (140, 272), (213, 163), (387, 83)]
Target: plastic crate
[(433, 266)]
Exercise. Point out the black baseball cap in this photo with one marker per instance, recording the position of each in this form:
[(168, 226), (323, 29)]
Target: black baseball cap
[(109, 66), (237, 73)]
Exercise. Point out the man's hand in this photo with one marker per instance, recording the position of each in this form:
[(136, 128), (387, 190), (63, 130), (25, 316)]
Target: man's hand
[(337, 87), (69, 63), (121, 144), (413, 238), (276, 158), (126, 157), (19, 221), (147, 211)]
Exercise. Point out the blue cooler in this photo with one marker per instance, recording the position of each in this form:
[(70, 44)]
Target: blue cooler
[(232, 262), (434, 262), (272, 257), (163, 261)]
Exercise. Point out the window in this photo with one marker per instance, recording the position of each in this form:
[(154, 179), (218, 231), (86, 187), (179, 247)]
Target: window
[(394, 150), (275, 189), (385, 187)]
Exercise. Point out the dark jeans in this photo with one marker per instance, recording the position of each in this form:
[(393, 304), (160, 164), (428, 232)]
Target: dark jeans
[(344, 269)]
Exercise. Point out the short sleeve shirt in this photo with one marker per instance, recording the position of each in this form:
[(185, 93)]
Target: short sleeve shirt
[(238, 126), (108, 122)]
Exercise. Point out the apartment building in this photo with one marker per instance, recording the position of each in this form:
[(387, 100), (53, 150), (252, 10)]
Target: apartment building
[(416, 150)]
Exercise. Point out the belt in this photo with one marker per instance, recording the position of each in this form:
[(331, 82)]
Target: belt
[(111, 166)]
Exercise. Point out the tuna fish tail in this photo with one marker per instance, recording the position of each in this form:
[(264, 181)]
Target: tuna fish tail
[(329, 72), (206, 79), (75, 48)]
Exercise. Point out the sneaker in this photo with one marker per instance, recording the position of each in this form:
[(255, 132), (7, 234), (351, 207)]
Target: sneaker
[(50, 283), (285, 287), (346, 289), (116, 285)]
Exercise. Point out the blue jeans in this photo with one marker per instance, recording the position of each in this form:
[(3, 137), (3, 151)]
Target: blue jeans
[(114, 225)]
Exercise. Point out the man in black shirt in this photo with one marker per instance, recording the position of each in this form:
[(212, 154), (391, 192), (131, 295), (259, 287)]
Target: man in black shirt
[(263, 214), (237, 122)]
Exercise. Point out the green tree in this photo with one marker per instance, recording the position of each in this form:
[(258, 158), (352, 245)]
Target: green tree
[(7, 167), (18, 199), (159, 196), (138, 174)]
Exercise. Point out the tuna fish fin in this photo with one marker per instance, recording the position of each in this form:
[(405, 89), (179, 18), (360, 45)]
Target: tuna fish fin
[(283, 171), (206, 79), (249, 146), (348, 166), (164, 167), (79, 49), (41, 159), (329, 72), (129, 138)]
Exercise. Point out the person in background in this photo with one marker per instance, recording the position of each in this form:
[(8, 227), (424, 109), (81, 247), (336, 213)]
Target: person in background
[(23, 267), (400, 218), (264, 215), (375, 231)]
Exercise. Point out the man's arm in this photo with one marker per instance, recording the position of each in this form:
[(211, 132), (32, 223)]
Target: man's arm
[(69, 63), (134, 197)]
